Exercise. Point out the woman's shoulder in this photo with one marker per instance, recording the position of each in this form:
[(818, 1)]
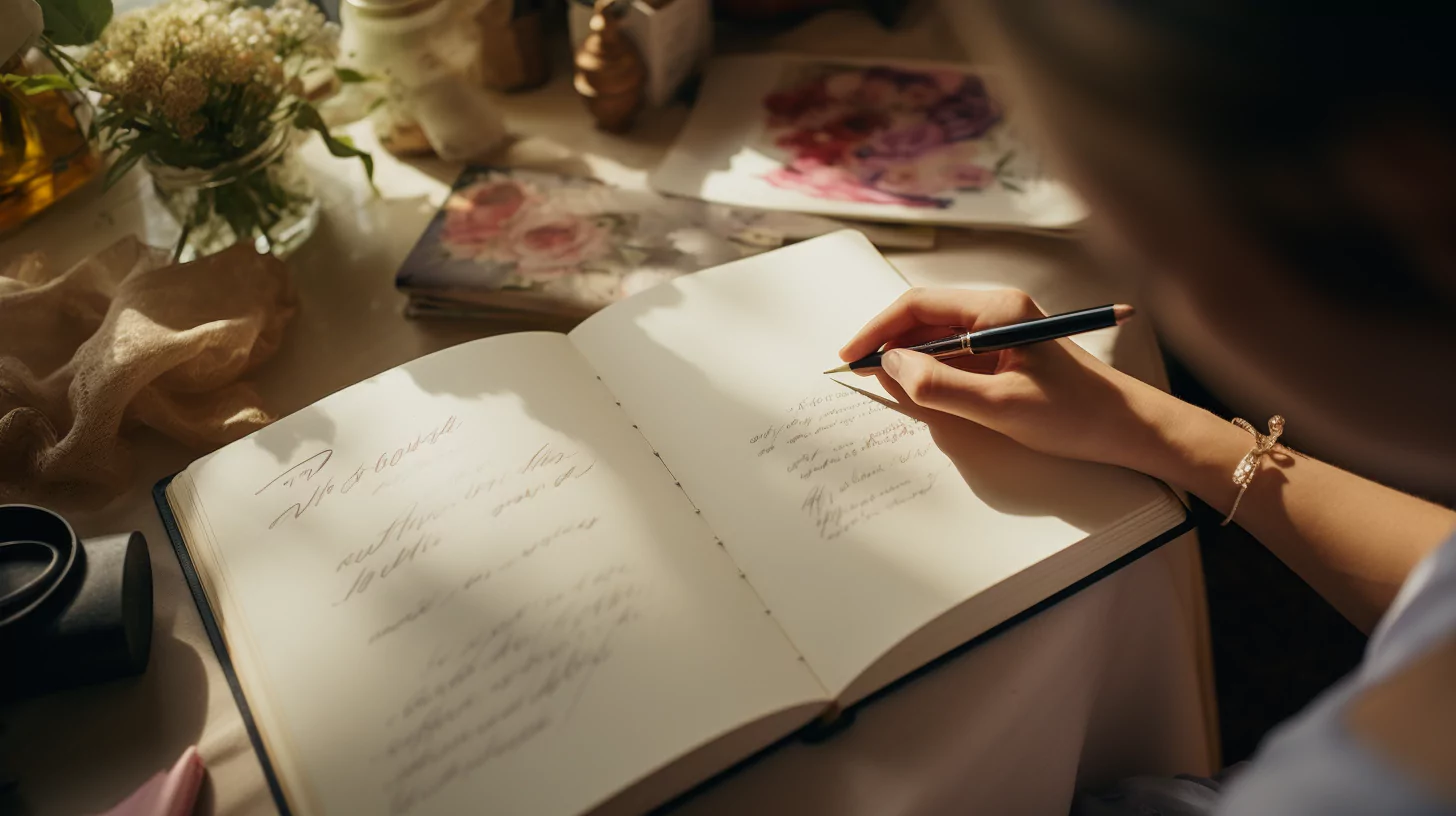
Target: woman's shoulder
[(1384, 739), (1409, 719)]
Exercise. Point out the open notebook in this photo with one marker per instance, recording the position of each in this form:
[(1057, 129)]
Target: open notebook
[(567, 573)]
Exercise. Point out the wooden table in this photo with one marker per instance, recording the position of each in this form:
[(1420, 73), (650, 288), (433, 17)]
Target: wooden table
[(1112, 682)]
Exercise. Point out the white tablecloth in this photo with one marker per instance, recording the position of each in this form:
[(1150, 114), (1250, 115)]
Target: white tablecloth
[(1112, 682)]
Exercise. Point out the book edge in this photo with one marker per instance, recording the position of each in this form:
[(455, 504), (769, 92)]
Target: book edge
[(842, 718), (816, 731), (214, 636), (1183, 526)]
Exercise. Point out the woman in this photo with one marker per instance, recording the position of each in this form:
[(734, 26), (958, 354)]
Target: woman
[(1290, 177)]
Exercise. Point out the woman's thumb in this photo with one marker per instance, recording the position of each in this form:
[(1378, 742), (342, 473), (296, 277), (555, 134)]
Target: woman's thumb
[(932, 384)]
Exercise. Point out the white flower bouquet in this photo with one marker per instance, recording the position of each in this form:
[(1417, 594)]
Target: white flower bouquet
[(209, 93)]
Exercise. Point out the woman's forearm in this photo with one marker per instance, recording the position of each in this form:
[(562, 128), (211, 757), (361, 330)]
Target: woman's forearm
[(1353, 540)]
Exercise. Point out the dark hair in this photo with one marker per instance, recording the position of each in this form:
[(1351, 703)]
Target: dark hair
[(1265, 93)]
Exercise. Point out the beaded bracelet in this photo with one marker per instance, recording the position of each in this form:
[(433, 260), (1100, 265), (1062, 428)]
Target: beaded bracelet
[(1249, 465)]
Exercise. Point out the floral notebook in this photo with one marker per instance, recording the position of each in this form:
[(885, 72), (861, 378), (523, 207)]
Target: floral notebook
[(902, 141), (526, 241)]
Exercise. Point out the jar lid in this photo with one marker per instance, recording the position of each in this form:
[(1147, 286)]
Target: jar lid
[(391, 8), (23, 23)]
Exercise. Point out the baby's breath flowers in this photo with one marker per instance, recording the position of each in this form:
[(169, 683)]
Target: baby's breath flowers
[(202, 83), (195, 82)]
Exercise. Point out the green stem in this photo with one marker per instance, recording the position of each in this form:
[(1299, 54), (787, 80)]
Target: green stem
[(182, 242)]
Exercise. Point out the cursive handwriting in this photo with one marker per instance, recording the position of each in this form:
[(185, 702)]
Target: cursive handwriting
[(548, 469), (834, 516), (856, 457), (304, 472), (418, 530), (486, 691), (411, 521), (476, 578)]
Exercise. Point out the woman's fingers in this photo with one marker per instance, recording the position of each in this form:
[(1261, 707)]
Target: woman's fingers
[(922, 334), (988, 363), (940, 307), (932, 384)]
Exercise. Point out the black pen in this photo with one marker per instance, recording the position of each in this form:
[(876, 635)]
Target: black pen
[(1005, 337)]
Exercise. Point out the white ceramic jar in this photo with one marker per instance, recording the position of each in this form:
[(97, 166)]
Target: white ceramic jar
[(424, 52)]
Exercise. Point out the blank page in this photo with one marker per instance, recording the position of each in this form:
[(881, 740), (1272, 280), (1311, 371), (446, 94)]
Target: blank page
[(852, 525)]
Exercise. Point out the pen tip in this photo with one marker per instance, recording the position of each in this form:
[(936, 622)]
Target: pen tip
[(1123, 312), (838, 369)]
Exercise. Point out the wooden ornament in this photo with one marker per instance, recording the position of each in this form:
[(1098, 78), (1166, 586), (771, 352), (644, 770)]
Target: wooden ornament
[(512, 45), (610, 73)]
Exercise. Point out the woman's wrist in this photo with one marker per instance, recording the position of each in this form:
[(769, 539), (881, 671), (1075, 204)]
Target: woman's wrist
[(1184, 445), (1195, 450)]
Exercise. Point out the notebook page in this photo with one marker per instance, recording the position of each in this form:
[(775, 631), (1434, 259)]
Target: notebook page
[(467, 585), (852, 525)]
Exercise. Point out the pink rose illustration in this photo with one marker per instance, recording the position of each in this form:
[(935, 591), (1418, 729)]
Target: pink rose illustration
[(548, 245), (787, 106), (856, 126), (934, 173), (918, 96), (908, 179), (966, 176), (889, 89), (838, 184), (883, 135), (947, 81), (477, 216), (814, 146), (843, 85), (876, 92)]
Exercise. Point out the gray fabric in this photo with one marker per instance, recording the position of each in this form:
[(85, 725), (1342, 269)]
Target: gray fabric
[(1152, 796), (1311, 766)]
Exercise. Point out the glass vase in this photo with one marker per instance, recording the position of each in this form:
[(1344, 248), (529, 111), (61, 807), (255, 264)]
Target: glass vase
[(265, 196)]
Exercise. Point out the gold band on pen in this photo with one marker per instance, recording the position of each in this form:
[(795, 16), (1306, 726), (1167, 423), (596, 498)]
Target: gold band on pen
[(965, 348)]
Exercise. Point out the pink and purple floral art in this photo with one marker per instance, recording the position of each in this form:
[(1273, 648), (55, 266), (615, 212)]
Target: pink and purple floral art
[(884, 135)]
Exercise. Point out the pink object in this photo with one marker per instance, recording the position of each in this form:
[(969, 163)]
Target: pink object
[(477, 216), (169, 793)]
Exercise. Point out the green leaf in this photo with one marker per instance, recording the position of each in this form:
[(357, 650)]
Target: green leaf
[(75, 22), (308, 118), (350, 75), (38, 83), (124, 163)]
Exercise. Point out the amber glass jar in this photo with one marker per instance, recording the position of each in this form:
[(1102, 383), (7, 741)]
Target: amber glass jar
[(44, 154)]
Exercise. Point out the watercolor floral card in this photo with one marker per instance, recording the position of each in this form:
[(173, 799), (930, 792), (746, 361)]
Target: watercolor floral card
[(893, 141), (527, 241)]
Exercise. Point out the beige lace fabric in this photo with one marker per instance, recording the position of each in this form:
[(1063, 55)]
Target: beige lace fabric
[(123, 340)]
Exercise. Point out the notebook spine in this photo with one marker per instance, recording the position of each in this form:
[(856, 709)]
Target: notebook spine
[(678, 483), (658, 455)]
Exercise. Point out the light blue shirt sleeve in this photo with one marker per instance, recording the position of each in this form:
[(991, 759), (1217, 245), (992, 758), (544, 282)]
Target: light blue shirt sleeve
[(1312, 765)]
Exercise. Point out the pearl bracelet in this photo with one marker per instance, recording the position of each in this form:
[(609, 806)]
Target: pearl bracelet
[(1249, 465)]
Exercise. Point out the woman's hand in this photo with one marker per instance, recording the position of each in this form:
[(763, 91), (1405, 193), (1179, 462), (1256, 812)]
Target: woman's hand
[(1053, 397), (1353, 540)]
